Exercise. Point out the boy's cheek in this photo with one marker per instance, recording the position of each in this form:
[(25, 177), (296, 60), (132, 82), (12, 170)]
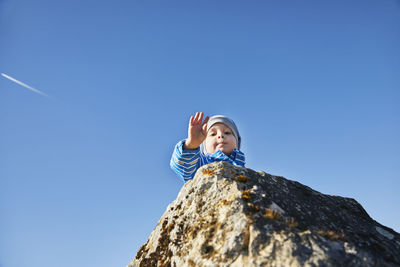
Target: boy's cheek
[(209, 140)]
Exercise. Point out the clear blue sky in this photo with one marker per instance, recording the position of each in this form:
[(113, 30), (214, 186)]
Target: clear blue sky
[(313, 86)]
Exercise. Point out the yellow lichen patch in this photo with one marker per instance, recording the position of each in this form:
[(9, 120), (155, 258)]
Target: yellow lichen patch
[(272, 214), (242, 178), (227, 201), (253, 207), (151, 247), (331, 234), (292, 223), (224, 202), (231, 197), (208, 172), (246, 195)]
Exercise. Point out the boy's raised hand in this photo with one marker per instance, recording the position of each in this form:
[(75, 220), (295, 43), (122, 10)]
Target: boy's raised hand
[(197, 131)]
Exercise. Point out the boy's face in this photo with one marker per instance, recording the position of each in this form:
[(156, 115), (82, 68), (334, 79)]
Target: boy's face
[(220, 136)]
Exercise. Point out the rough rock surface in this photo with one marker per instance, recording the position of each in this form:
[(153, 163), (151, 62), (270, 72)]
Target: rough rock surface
[(234, 216)]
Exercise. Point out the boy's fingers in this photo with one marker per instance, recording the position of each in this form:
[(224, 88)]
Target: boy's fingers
[(205, 124), (206, 120), (196, 117), (205, 128), (201, 117), (191, 120)]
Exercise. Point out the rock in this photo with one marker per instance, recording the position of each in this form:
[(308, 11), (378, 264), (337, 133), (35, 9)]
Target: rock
[(233, 216)]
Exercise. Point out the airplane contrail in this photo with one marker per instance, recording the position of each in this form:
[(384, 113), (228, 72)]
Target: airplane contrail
[(24, 85)]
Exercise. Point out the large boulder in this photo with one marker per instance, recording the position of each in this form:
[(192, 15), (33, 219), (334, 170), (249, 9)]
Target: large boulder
[(233, 216)]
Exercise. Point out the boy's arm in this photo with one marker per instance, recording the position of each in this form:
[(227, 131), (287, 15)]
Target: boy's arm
[(185, 162), (186, 157)]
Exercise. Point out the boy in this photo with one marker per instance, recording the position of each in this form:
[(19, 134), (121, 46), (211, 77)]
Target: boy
[(214, 139)]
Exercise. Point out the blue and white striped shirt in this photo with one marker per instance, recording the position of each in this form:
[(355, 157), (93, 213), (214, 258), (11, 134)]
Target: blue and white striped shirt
[(186, 162)]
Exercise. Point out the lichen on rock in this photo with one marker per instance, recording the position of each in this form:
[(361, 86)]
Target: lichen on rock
[(233, 216)]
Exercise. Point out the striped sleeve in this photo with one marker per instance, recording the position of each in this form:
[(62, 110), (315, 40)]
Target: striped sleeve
[(185, 162)]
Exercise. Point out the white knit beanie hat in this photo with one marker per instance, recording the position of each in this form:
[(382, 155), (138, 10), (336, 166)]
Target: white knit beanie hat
[(228, 122)]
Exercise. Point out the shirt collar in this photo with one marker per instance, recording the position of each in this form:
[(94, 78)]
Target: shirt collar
[(235, 155)]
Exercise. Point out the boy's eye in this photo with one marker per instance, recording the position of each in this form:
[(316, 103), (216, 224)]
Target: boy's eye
[(212, 134), (227, 132)]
